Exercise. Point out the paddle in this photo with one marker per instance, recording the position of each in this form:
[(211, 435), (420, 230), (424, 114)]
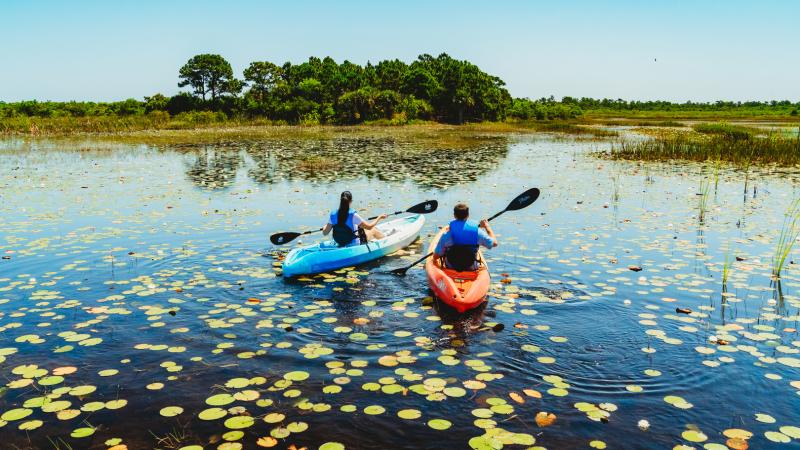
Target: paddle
[(421, 208), (521, 201)]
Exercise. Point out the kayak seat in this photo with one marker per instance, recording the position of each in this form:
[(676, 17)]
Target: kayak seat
[(461, 257), (343, 235), (463, 275)]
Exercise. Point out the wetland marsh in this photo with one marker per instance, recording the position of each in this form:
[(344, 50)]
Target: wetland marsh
[(142, 306)]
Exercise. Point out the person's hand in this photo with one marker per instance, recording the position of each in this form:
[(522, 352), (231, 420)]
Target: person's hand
[(382, 216), (484, 223)]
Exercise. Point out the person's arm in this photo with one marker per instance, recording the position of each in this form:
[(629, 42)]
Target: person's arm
[(444, 242), (327, 228), (485, 225), (368, 226)]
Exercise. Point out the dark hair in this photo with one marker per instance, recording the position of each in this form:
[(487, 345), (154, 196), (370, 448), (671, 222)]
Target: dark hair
[(461, 211), (344, 207)]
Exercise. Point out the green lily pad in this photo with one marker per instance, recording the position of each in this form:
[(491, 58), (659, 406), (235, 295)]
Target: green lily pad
[(374, 410), (409, 414), (30, 425), (220, 400), (439, 424), (171, 411), (331, 446), (775, 436), (82, 432), (792, 432), (16, 414), (239, 422), (298, 375), (212, 414)]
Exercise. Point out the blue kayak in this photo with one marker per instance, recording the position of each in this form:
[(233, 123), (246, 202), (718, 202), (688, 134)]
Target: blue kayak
[(327, 255)]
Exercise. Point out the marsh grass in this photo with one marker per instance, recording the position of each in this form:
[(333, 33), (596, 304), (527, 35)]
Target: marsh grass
[(617, 187), (59, 444), (726, 271), (204, 120), (716, 167), (775, 149), (637, 123), (702, 207), (731, 132), (59, 126), (571, 128), (790, 231)]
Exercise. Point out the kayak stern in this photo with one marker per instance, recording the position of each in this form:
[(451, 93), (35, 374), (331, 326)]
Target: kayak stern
[(462, 291)]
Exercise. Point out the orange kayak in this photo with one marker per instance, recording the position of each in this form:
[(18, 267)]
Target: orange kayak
[(460, 290)]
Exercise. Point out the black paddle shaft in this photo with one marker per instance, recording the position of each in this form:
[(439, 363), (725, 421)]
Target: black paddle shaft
[(425, 207), (521, 201)]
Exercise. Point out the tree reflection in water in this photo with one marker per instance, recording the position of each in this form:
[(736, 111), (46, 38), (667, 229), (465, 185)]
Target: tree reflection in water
[(434, 164), (214, 167)]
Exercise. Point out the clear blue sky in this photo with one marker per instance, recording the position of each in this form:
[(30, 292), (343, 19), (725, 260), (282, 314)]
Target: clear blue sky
[(705, 50)]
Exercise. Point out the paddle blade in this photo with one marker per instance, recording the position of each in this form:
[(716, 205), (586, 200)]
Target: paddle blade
[(424, 207), (283, 238), (400, 272), (523, 200)]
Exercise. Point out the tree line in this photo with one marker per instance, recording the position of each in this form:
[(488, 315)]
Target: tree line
[(590, 104), (322, 91)]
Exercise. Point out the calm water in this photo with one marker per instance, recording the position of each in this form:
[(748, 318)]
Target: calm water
[(141, 303)]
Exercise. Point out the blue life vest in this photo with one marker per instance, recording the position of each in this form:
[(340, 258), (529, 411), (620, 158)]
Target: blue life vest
[(344, 234), (462, 255), (464, 232)]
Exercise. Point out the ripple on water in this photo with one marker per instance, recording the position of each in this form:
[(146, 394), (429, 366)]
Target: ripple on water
[(595, 362)]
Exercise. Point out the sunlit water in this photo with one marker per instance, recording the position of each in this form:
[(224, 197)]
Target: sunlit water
[(141, 303)]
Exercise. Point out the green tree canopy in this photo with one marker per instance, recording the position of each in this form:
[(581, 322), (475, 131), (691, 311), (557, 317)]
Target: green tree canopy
[(262, 76), (209, 74), (320, 90)]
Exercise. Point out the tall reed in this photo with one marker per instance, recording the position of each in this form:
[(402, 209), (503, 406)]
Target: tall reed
[(705, 187), (790, 231), (726, 271), (775, 148)]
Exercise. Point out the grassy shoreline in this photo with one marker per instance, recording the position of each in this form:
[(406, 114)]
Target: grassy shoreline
[(100, 125), (149, 130)]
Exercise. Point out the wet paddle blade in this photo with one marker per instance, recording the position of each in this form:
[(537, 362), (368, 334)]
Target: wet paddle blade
[(283, 238), (424, 207), (400, 272), (523, 200)]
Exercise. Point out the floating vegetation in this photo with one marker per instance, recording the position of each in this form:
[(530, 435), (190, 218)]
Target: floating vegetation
[(314, 163)]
